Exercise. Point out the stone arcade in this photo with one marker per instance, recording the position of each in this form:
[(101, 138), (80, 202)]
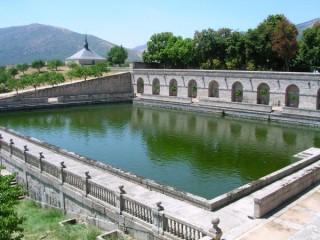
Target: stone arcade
[(293, 90)]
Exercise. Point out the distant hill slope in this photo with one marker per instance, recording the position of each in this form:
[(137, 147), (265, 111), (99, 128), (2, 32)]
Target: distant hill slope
[(140, 48), (23, 44), (302, 26)]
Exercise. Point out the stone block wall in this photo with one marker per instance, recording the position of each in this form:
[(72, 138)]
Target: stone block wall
[(110, 89), (117, 83), (271, 198)]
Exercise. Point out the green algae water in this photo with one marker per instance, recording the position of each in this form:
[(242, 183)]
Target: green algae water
[(199, 153)]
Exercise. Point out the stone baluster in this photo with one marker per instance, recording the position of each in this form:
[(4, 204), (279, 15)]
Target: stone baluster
[(25, 152), (120, 200), (159, 223), (40, 161), (11, 144), (215, 228), (62, 166), (86, 188)]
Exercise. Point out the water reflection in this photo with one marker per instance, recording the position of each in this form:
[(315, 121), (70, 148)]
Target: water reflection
[(289, 137), (198, 153)]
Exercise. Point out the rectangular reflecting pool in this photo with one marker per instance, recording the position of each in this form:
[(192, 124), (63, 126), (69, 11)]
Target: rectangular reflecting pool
[(198, 153)]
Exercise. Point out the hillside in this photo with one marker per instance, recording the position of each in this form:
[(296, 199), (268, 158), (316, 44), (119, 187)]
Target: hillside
[(23, 44), (302, 26)]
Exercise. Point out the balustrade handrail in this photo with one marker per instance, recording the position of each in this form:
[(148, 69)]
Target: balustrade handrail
[(128, 198), (140, 210), (190, 225), (107, 199), (32, 160), (76, 177), (17, 151), (5, 144), (137, 209), (54, 173)]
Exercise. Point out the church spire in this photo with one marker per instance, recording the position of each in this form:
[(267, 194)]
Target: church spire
[(86, 45)]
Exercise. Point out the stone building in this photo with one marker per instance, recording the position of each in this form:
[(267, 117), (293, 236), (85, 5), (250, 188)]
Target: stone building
[(284, 89), (85, 56)]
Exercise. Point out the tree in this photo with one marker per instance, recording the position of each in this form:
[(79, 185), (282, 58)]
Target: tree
[(169, 50), (309, 52), (22, 67), (284, 41), (210, 47), (4, 78), (13, 71), (72, 64), (180, 52), (53, 78), (102, 67), (80, 72), (15, 84), (54, 64), (117, 55), (10, 228), (259, 44), (235, 51), (156, 48), (33, 79), (38, 64)]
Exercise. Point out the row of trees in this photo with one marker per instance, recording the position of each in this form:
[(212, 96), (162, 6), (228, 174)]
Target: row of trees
[(10, 81), (273, 45)]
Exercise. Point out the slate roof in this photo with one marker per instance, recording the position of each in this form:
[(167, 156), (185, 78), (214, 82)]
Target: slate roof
[(85, 54)]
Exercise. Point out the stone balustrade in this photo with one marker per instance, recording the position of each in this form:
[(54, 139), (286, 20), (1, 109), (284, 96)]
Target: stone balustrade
[(153, 218)]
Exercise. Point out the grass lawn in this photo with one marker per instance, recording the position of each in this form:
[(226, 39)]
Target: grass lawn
[(44, 224)]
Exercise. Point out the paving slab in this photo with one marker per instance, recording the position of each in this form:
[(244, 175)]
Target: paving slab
[(299, 220)]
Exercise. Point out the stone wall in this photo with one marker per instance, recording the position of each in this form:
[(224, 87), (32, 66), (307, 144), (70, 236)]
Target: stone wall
[(117, 83), (232, 109), (274, 196), (110, 89), (308, 85)]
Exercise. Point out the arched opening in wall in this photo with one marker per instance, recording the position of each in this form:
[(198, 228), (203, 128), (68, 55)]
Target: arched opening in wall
[(263, 94), (155, 86), (213, 90), (237, 92), (318, 100), (192, 89), (173, 88), (140, 85), (292, 96)]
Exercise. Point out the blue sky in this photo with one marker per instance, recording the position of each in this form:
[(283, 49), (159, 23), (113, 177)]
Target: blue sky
[(132, 22)]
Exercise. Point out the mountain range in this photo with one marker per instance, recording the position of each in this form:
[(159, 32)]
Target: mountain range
[(23, 44)]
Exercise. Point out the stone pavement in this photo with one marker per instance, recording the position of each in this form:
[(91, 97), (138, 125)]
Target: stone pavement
[(299, 220), (235, 219)]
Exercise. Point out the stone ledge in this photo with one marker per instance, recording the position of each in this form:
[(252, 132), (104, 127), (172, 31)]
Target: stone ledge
[(276, 194)]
